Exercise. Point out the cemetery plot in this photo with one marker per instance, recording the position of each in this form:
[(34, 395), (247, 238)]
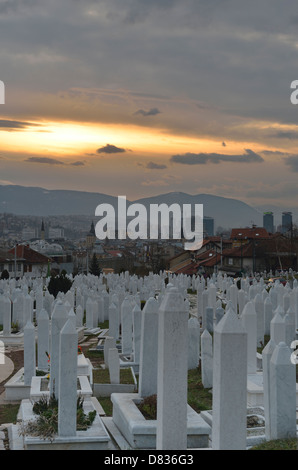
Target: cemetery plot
[(213, 359)]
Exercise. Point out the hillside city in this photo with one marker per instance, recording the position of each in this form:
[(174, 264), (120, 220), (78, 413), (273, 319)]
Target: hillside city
[(35, 246)]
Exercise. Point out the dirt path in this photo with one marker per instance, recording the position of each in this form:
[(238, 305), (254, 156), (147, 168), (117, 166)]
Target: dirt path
[(16, 354)]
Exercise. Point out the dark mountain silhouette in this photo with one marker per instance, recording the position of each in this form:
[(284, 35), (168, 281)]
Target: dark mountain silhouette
[(35, 201)]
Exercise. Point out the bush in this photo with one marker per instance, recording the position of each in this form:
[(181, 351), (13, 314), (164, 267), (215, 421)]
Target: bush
[(46, 424), (4, 275), (148, 407), (58, 284)]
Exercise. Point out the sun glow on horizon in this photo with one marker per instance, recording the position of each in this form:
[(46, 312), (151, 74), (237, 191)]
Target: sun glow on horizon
[(66, 139)]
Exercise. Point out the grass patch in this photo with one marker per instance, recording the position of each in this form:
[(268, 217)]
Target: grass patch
[(198, 397), (102, 376), (8, 413), (94, 354), (279, 444), (104, 325), (107, 405), (191, 292)]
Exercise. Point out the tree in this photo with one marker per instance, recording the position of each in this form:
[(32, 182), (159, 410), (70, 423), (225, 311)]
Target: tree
[(95, 268), (59, 284), (4, 275)]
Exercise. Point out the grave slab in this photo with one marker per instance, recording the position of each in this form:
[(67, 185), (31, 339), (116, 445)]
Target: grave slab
[(141, 433), (255, 390), (94, 438)]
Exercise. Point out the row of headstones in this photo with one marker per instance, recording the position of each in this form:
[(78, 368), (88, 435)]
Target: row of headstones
[(133, 283), (44, 332), (273, 314), (22, 302), (232, 338), (256, 314), (96, 312), (165, 346), (104, 306), (282, 332), (151, 345), (124, 281), (279, 296), (21, 311), (230, 357), (281, 329)]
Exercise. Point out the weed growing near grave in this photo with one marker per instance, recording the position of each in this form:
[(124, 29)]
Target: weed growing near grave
[(191, 292), (40, 373), (260, 348), (279, 444), (46, 424), (15, 327), (148, 407), (198, 397)]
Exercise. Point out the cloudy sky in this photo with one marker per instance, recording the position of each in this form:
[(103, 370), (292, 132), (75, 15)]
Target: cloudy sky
[(143, 97)]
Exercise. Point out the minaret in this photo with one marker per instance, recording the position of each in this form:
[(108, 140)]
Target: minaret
[(92, 229), (42, 231), (91, 237)]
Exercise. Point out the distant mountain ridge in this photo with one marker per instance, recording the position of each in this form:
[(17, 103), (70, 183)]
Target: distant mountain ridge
[(35, 201)]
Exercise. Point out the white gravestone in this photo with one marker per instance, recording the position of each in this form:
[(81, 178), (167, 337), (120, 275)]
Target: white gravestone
[(29, 353), (67, 396), (43, 340), (282, 393), (207, 359), (149, 349), (229, 384), (171, 430), (114, 365)]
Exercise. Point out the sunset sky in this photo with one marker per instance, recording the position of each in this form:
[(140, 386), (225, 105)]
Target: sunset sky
[(143, 97)]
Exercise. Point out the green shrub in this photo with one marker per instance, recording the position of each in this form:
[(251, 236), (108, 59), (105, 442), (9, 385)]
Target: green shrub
[(46, 424), (59, 284)]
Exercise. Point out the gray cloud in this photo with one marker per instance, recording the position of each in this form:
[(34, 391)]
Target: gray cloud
[(150, 112), (291, 135), (52, 161), (45, 160), (224, 91), (204, 158), (254, 67), (292, 162), (7, 124), (155, 166), (110, 149), (8, 6), (274, 152)]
